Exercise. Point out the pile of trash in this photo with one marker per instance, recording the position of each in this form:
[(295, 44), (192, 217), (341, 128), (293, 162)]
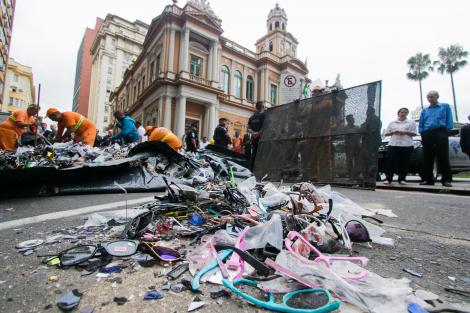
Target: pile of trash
[(255, 239), (67, 168), (61, 155)]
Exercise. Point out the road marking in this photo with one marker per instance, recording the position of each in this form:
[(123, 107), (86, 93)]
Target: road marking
[(63, 214)]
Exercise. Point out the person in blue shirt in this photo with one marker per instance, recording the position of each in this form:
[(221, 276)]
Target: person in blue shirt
[(434, 123), (128, 132)]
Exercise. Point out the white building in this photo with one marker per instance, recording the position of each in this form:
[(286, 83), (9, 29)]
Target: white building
[(117, 44), (19, 87)]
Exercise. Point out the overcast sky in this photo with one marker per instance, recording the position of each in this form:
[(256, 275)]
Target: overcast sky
[(364, 40)]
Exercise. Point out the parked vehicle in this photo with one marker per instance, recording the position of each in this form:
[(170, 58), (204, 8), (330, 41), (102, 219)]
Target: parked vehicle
[(459, 161)]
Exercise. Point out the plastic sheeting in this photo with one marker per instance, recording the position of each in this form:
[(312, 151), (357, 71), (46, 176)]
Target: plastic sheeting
[(372, 294), (332, 138)]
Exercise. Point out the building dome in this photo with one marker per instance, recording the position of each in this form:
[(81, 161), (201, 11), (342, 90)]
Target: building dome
[(277, 19)]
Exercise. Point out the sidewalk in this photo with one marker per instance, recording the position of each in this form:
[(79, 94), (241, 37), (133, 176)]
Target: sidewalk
[(460, 186)]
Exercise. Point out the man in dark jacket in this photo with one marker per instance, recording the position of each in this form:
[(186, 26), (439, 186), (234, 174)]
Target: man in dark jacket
[(465, 138), (221, 137), (255, 127)]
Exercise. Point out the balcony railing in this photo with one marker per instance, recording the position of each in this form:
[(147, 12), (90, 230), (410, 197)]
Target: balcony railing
[(199, 80)]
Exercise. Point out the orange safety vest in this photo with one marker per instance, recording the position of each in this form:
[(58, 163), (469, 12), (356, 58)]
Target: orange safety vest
[(165, 135)]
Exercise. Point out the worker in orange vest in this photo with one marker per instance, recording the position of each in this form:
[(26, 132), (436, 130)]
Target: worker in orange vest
[(15, 126), (164, 135), (83, 129)]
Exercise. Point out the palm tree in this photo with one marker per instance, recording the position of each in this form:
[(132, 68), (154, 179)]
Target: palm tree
[(451, 60), (419, 65)]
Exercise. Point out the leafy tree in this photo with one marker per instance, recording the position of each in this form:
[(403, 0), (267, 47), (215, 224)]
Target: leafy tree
[(419, 65), (451, 59)]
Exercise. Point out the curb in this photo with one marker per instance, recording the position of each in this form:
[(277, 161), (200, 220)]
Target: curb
[(462, 191)]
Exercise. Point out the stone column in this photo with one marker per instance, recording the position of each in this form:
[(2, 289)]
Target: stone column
[(172, 50), (243, 93), (163, 65), (216, 63), (180, 116), (206, 130), (184, 50), (160, 112), (212, 120), (167, 122), (255, 88), (209, 71)]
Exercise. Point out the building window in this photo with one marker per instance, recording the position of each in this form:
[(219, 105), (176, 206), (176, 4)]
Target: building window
[(273, 94), (110, 70), (106, 109), (237, 84), (250, 84), (270, 26), (151, 72), (143, 82), (105, 119), (283, 26), (15, 78), (157, 69), (276, 25), (224, 81), (270, 46), (195, 66)]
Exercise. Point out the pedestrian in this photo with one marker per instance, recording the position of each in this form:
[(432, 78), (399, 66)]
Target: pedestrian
[(435, 122), (128, 133), (141, 131), (53, 133), (255, 127), (221, 137), (400, 146), (165, 135), (237, 143), (203, 143), (15, 126), (465, 138), (352, 143), (247, 144), (191, 139), (77, 127)]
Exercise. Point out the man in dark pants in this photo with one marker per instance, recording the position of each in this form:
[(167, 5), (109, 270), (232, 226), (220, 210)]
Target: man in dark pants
[(192, 141), (247, 144), (221, 137), (434, 123), (465, 138), (255, 127)]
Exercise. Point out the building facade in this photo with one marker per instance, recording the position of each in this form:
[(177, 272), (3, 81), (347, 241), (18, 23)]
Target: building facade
[(117, 44), (81, 90), (189, 73), (6, 24), (19, 87)]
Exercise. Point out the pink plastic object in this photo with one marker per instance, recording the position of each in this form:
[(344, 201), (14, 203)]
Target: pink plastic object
[(290, 273), (223, 268), (327, 260), (235, 262)]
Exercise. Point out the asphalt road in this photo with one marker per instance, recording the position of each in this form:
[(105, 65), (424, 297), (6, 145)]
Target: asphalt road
[(431, 233)]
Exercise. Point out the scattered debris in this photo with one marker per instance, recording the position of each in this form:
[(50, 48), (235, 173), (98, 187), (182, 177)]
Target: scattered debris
[(120, 300), (196, 304), (69, 300), (411, 272), (153, 295)]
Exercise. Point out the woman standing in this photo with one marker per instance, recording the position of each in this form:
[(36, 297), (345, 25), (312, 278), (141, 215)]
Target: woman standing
[(400, 146)]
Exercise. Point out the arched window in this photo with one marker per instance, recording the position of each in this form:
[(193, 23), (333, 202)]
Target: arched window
[(276, 25), (237, 84), (250, 86), (270, 46), (224, 80)]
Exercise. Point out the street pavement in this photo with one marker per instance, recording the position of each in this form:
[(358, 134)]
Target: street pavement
[(431, 234)]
